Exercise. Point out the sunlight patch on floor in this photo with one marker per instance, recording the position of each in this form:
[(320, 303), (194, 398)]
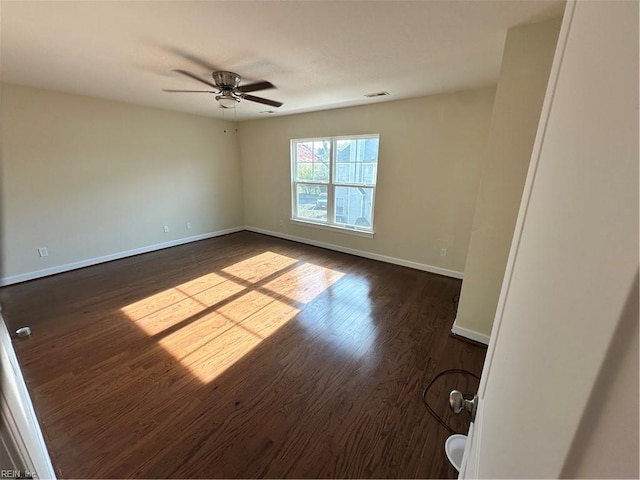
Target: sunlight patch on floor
[(211, 322), (259, 267), (224, 341), (161, 310), (304, 283)]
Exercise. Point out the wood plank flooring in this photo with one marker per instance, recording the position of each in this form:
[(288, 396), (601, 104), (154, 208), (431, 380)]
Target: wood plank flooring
[(242, 356)]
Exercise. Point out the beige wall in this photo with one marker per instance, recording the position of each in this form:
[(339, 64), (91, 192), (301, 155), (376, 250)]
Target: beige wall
[(88, 178), (526, 63), (429, 169)]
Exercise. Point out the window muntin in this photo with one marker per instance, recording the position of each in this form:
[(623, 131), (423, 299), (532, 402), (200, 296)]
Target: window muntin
[(334, 179)]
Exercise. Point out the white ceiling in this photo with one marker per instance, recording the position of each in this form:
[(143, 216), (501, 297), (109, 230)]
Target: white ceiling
[(319, 54)]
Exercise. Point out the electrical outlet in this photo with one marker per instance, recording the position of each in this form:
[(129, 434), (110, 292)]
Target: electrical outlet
[(443, 252), (166, 229), (188, 225), (43, 252)]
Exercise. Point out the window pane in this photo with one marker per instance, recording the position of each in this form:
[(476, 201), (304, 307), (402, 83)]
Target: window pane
[(345, 172), (357, 161), (320, 172), (353, 207), (322, 151), (321, 155), (312, 161), (312, 202), (368, 150), (305, 171), (304, 160), (345, 151)]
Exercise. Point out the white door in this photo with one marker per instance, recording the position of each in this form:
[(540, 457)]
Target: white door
[(559, 390)]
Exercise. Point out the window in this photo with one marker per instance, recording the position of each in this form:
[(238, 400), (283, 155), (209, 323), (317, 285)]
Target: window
[(333, 181)]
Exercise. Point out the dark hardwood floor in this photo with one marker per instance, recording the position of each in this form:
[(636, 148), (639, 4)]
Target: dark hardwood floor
[(242, 356)]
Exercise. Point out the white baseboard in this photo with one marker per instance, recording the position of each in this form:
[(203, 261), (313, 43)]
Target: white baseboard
[(470, 334), (361, 253), (23, 277)]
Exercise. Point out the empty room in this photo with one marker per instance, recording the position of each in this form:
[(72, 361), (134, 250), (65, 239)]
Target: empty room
[(319, 239)]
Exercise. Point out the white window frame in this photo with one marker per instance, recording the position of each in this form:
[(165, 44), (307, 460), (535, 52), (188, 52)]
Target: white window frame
[(331, 185)]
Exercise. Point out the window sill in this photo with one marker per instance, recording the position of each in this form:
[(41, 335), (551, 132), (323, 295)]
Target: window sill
[(333, 228)]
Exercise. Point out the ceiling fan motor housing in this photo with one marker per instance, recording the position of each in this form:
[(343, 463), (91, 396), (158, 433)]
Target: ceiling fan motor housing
[(226, 80)]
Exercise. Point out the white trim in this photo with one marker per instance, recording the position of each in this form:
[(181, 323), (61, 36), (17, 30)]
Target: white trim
[(471, 459), (333, 227), (23, 277), (22, 423), (470, 334), (361, 253), (159, 246)]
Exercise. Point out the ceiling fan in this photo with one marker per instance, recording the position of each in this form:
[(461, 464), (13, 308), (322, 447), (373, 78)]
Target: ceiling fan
[(226, 86)]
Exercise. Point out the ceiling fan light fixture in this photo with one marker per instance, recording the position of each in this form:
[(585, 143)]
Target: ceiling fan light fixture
[(226, 100)]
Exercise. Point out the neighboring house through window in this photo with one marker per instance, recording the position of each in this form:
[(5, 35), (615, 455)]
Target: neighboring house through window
[(333, 181)]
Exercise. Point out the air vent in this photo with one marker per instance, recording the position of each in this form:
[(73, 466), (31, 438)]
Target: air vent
[(268, 111), (377, 94)]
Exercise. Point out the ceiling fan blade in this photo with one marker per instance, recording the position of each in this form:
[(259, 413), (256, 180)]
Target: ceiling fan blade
[(188, 91), (195, 77), (253, 87), (193, 58), (266, 101)]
